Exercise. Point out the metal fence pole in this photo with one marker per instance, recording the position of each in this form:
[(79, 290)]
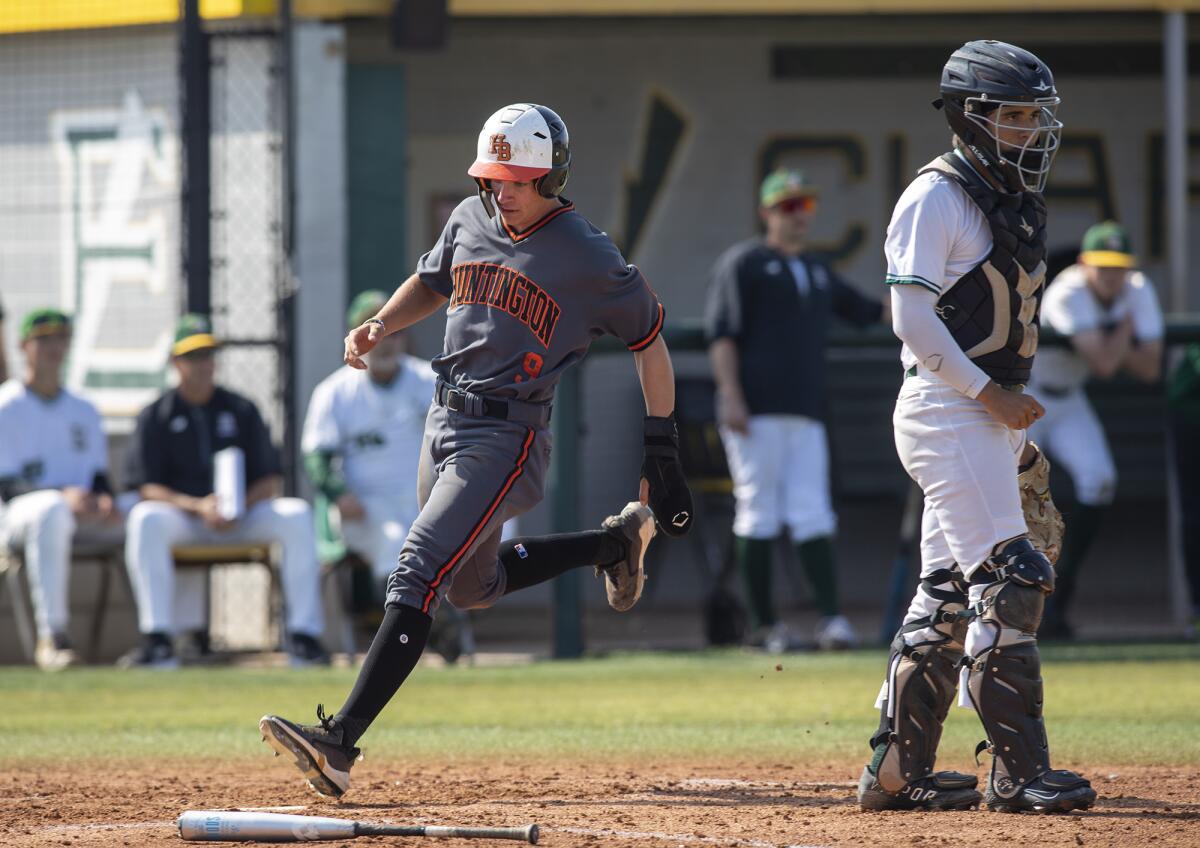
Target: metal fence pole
[(194, 69), (564, 510), (286, 287), (1175, 127)]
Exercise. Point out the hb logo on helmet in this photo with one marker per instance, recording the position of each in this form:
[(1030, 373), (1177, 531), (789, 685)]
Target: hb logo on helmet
[(501, 149)]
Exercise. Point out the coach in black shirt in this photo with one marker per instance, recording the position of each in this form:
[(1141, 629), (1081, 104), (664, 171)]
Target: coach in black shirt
[(171, 464), (769, 309)]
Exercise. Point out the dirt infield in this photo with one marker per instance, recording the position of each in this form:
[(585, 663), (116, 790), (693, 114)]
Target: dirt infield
[(640, 804)]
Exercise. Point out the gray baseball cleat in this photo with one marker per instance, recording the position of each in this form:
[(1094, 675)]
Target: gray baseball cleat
[(1054, 791), (317, 749), (942, 790), (623, 579)]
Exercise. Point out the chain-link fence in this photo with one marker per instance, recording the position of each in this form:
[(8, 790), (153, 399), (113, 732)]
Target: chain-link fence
[(91, 199), (247, 276)]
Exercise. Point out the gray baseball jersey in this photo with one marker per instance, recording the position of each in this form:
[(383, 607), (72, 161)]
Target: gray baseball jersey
[(524, 307)]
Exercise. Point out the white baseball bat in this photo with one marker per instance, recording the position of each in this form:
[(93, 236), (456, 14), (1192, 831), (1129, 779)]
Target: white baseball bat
[(226, 826)]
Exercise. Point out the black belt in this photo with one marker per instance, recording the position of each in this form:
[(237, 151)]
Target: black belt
[(479, 406), (1011, 387)]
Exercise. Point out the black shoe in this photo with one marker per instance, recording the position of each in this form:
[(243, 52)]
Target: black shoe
[(305, 650), (318, 750), (942, 790), (1056, 791), (155, 651)]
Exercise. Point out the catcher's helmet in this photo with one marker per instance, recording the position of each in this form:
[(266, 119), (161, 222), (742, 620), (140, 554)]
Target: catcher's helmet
[(524, 142), (981, 78)]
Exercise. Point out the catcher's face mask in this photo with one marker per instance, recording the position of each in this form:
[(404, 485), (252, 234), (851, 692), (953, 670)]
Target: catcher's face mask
[(1025, 134)]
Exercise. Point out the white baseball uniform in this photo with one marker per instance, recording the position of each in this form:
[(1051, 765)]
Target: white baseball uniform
[(376, 431), (964, 460), (49, 445), (1070, 431)]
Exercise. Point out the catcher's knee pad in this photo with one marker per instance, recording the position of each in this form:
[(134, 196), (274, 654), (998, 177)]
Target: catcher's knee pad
[(1017, 561)]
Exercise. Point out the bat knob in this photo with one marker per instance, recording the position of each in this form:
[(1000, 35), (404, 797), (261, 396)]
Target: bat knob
[(532, 834)]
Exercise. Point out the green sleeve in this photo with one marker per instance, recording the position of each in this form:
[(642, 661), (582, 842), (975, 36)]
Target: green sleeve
[(324, 473)]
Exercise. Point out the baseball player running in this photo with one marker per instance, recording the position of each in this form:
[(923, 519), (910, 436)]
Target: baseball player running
[(1111, 314), (965, 253), (530, 283)]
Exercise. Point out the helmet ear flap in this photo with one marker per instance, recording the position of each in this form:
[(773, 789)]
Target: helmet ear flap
[(552, 183), (485, 196)]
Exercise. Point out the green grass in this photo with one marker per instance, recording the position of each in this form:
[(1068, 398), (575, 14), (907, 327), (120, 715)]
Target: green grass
[(1113, 704)]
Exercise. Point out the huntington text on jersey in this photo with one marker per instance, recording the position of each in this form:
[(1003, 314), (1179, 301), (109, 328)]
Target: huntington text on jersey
[(509, 290)]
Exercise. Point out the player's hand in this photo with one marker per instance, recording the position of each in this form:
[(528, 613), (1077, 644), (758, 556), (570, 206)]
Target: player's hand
[(1014, 410), (210, 513), (81, 502), (106, 509), (644, 492), (359, 342), (351, 508), (732, 412)]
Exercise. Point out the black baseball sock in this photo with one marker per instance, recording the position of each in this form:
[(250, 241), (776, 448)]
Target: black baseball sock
[(393, 655), (536, 559)]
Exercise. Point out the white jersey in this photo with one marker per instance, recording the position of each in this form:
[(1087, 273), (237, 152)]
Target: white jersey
[(50, 443), (1070, 307), (936, 235), (377, 430)]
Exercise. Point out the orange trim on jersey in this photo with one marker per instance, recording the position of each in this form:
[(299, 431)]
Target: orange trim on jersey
[(541, 222), (648, 340), (508, 484)]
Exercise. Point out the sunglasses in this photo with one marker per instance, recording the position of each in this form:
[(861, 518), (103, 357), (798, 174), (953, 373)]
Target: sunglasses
[(796, 204)]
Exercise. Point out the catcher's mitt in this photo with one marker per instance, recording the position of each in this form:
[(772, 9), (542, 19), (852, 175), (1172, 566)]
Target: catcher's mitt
[(1042, 518)]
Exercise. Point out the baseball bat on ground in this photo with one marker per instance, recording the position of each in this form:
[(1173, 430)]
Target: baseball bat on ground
[(226, 826)]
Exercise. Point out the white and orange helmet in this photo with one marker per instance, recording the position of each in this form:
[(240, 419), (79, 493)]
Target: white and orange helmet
[(524, 142)]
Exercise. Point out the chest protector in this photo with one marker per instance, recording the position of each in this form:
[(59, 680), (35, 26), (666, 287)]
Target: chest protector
[(992, 310)]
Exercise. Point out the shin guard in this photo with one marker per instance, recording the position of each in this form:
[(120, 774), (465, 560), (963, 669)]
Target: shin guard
[(921, 689), (1005, 686)]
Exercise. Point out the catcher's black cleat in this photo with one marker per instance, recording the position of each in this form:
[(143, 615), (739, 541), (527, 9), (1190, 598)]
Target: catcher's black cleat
[(317, 749), (942, 790), (623, 579), (1055, 791)]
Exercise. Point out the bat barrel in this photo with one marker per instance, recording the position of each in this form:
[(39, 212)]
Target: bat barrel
[(233, 826)]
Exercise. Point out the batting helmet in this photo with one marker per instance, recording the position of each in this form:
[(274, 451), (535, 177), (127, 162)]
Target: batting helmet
[(981, 78), (524, 142)]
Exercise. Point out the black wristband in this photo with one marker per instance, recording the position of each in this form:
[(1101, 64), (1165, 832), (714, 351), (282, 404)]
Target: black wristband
[(661, 433)]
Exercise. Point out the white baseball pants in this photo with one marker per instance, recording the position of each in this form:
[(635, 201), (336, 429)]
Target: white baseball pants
[(780, 471), (170, 603), (41, 524), (379, 537), (966, 464), (1072, 436)]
